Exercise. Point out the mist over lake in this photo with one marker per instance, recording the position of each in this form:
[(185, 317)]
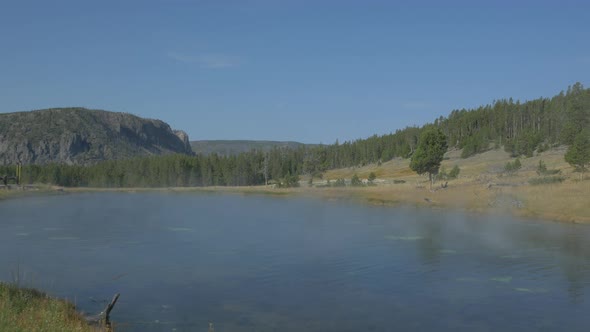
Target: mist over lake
[(266, 263)]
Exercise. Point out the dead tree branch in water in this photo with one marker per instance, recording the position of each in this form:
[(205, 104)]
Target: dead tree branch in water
[(103, 318)]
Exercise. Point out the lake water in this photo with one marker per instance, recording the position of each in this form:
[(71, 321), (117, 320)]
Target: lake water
[(258, 263)]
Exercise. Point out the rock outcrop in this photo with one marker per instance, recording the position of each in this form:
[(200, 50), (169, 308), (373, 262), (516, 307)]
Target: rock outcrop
[(83, 136)]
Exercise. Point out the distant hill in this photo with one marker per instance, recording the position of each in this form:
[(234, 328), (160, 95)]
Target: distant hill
[(234, 147), (83, 136)]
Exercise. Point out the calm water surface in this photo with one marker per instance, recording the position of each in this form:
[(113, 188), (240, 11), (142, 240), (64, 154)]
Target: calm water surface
[(256, 263)]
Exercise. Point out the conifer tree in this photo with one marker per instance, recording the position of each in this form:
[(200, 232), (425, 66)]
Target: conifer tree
[(429, 153), (578, 154)]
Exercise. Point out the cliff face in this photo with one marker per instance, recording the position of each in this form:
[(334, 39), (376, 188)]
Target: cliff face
[(82, 136)]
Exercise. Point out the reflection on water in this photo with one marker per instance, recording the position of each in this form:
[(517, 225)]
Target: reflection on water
[(255, 263)]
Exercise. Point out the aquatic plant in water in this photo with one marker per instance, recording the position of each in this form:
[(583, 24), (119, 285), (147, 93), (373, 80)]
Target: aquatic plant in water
[(403, 238)]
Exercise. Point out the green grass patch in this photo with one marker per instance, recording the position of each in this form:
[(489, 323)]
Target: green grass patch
[(29, 310)]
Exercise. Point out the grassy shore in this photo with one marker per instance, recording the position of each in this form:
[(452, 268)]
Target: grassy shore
[(28, 310), (483, 186), (16, 192)]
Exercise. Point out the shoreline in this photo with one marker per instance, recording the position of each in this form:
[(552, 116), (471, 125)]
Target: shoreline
[(519, 201), (482, 187)]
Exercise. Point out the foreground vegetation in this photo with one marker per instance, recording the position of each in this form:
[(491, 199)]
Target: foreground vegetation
[(28, 310)]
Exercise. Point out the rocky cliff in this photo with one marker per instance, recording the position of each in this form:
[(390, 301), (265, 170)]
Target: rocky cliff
[(83, 136)]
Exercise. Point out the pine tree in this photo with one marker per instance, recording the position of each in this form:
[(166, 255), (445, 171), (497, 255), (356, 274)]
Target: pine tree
[(578, 154), (429, 153)]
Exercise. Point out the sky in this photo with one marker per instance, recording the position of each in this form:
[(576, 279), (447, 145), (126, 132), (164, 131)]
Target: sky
[(307, 71)]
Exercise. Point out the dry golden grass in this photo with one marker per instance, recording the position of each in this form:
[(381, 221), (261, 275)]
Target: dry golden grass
[(568, 201), (481, 187), (397, 168)]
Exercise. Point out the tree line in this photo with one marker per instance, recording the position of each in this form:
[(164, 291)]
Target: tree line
[(521, 128)]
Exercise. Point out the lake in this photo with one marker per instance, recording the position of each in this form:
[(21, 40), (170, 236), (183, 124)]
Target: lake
[(262, 263)]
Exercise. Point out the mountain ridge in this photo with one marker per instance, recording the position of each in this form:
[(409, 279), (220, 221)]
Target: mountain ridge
[(77, 135)]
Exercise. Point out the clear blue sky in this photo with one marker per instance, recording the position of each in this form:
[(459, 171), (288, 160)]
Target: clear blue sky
[(310, 71)]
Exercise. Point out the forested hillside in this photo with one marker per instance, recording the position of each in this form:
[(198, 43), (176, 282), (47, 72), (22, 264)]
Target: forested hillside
[(235, 147), (520, 128)]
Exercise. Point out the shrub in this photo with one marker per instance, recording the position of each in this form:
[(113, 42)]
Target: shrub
[(547, 180), (543, 147), (512, 167), (355, 181), (542, 168), (339, 183), (553, 172), (289, 181), (372, 177), (454, 173)]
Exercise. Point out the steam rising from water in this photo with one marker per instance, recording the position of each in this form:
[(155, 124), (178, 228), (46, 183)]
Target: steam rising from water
[(294, 264)]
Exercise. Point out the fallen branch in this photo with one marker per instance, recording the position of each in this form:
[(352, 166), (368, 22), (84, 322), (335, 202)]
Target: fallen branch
[(108, 309), (103, 318)]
